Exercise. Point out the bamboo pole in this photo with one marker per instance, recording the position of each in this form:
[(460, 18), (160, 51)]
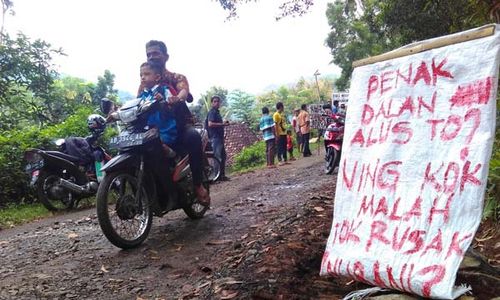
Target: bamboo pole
[(422, 46)]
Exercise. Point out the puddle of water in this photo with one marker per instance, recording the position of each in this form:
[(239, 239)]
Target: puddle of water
[(288, 186)]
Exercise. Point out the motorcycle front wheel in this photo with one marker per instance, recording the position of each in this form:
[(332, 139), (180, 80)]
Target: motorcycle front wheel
[(51, 194), (125, 216), (332, 160)]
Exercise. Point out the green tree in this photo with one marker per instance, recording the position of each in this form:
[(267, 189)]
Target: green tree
[(371, 27), (201, 108), (287, 8), (26, 78), (105, 88), (242, 107)]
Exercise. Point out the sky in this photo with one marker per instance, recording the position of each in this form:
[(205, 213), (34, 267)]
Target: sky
[(250, 53)]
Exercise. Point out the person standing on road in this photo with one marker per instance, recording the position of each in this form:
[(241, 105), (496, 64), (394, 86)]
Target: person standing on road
[(279, 125), (267, 127), (304, 124), (296, 129), (216, 132)]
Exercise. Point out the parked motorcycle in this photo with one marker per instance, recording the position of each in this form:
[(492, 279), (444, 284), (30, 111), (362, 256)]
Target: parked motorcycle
[(62, 178), (212, 162), (333, 136), (134, 189)]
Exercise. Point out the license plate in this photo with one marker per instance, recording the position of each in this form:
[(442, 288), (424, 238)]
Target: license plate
[(130, 140)]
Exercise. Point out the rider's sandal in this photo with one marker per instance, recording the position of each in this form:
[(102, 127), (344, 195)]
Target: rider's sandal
[(203, 198)]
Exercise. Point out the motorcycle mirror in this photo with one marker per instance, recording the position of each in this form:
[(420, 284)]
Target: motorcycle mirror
[(106, 106)]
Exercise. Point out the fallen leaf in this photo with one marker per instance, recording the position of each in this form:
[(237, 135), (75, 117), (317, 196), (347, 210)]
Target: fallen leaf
[(319, 209), (72, 235), (187, 288), (206, 269), (295, 245), (228, 294), (104, 269), (204, 285), (3, 242), (219, 242)]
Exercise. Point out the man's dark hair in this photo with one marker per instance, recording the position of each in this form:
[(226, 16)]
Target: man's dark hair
[(279, 105), (215, 97), (335, 102), (265, 110), (160, 45), (156, 68), (303, 106)]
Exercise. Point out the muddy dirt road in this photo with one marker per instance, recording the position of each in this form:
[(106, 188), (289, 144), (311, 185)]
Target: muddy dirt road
[(263, 239), (67, 256)]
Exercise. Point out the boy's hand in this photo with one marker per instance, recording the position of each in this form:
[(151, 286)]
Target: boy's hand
[(173, 99), (158, 96)]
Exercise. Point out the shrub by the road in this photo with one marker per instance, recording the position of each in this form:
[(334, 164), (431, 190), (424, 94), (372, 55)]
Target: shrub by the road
[(250, 157), (14, 181)]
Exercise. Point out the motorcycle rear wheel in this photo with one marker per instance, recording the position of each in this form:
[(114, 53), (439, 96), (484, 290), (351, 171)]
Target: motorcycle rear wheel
[(332, 161), (124, 219), (46, 181)]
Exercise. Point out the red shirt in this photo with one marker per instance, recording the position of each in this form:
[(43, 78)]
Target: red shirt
[(289, 142)]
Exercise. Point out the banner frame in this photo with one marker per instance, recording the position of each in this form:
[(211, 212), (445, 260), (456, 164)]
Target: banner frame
[(484, 31)]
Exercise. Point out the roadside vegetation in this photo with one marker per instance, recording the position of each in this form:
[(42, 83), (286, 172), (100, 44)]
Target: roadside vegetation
[(38, 105)]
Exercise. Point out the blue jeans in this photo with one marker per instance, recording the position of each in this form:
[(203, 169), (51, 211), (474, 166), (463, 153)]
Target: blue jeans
[(282, 148), (220, 153)]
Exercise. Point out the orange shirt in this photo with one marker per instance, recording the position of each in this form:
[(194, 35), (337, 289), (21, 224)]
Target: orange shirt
[(304, 122)]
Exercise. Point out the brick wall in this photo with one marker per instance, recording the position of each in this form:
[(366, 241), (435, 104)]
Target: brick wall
[(237, 136)]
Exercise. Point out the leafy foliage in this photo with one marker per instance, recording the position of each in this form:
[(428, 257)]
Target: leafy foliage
[(251, 156), (242, 107), (201, 108), (26, 78), (287, 8), (371, 27), (14, 143), (105, 88)]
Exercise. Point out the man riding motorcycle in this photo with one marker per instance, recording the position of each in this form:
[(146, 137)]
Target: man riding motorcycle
[(189, 138)]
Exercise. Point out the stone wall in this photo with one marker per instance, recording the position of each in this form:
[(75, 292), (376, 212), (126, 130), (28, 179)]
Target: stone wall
[(237, 136)]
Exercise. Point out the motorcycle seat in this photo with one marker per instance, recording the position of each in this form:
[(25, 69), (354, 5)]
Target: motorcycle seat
[(65, 156)]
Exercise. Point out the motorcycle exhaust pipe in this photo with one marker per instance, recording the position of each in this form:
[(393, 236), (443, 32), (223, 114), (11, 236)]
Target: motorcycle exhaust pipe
[(88, 188)]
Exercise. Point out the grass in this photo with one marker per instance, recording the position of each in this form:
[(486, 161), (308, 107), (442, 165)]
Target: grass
[(22, 213)]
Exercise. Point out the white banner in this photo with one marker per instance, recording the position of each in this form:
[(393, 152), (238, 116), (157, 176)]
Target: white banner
[(413, 171)]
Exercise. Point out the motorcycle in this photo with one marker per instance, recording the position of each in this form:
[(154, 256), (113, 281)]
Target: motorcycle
[(333, 136), (212, 163), (62, 178), (133, 189)]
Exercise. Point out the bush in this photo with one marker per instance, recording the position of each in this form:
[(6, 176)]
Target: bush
[(251, 156), (13, 144)]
